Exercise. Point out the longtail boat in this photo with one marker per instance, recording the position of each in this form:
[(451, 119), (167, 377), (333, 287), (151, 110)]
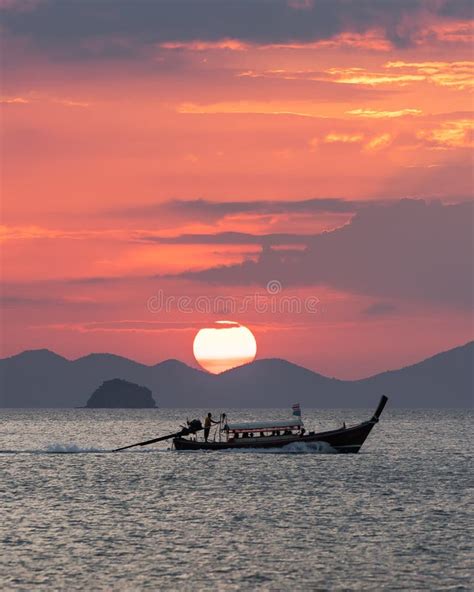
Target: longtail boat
[(270, 434)]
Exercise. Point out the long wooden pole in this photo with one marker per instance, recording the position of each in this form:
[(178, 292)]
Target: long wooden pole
[(183, 432)]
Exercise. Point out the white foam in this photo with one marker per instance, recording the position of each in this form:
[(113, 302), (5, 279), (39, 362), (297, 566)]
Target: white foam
[(74, 449), (69, 449), (57, 449), (292, 448)]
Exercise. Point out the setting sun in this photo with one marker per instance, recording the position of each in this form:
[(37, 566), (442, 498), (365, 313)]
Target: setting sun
[(223, 346)]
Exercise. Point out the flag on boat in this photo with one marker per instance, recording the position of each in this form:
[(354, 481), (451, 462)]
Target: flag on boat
[(296, 409)]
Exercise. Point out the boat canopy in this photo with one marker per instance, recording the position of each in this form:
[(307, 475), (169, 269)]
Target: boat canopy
[(289, 424)]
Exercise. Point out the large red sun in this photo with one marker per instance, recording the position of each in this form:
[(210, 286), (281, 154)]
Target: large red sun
[(223, 346)]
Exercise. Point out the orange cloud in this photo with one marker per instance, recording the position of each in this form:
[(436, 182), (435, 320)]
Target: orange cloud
[(451, 134), (373, 39), (14, 100), (35, 97), (367, 78), (344, 138), (71, 103), (356, 76), (374, 113), (301, 109), (460, 32), (27, 233), (379, 142), (458, 75), (122, 326), (200, 45), (375, 143), (32, 232), (284, 74)]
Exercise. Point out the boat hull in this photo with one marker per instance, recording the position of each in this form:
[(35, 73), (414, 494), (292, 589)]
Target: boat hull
[(344, 440)]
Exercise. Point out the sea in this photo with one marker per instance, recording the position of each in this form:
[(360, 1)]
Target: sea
[(76, 516)]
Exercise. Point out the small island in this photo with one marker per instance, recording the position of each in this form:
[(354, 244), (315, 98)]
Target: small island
[(118, 393)]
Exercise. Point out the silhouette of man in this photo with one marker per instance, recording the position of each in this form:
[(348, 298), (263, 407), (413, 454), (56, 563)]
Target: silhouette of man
[(208, 421)]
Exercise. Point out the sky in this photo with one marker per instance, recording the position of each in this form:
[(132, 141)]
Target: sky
[(301, 167)]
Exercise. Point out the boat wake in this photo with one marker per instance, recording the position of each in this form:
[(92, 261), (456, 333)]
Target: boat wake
[(71, 449), (292, 448), (74, 449), (58, 449)]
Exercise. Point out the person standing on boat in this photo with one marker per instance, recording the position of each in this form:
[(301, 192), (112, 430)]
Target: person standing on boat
[(208, 421)]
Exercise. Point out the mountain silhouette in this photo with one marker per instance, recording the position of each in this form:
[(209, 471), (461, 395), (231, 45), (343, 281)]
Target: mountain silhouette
[(41, 378)]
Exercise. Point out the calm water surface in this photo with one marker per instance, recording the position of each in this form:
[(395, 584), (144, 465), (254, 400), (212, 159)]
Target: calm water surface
[(395, 516)]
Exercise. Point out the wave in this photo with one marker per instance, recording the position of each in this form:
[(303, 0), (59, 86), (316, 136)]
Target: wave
[(292, 448), (71, 449), (75, 449), (58, 449)]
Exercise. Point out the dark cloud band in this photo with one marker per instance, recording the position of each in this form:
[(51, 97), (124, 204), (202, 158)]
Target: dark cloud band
[(206, 210), (409, 249), (61, 24)]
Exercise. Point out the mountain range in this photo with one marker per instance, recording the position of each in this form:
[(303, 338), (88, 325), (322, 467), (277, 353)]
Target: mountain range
[(41, 378)]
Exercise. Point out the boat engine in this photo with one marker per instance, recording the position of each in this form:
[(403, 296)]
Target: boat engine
[(194, 426)]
